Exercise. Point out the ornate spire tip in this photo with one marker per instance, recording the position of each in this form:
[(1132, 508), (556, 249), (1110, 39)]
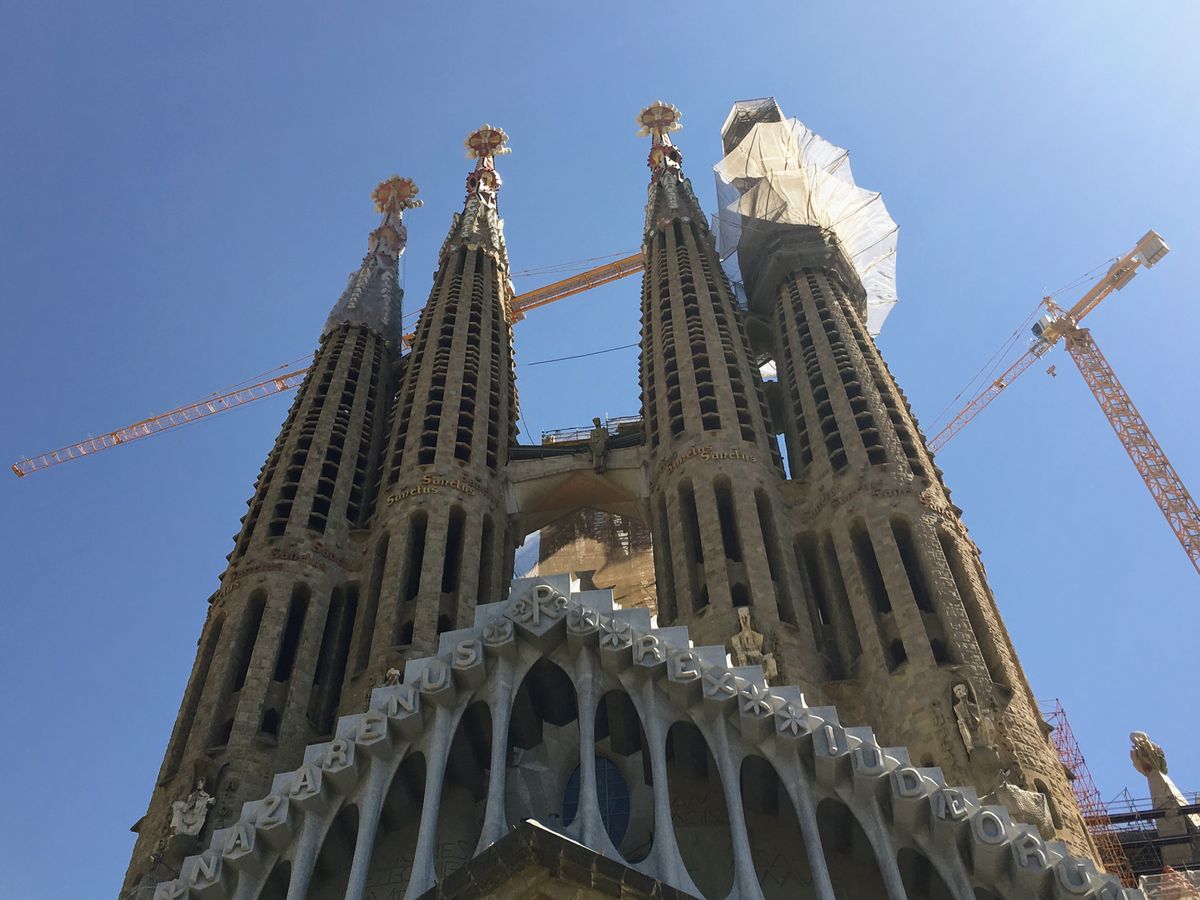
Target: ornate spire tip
[(396, 195), (657, 119), (486, 142)]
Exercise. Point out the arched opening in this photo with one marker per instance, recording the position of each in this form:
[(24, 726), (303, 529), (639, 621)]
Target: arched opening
[(608, 551), (739, 594), (270, 723), (776, 843), (332, 869), (849, 857), (399, 823), (543, 745), (698, 811), (621, 744), (612, 797), (921, 879), (464, 790)]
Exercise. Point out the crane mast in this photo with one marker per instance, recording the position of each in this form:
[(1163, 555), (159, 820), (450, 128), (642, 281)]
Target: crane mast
[(1163, 482), (1152, 464), (1052, 326)]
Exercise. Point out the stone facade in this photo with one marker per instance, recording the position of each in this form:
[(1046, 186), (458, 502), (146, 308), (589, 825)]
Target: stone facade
[(378, 549)]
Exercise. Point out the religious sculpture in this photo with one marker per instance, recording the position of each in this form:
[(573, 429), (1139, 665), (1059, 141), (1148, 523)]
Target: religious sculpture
[(976, 724), (1147, 756), (598, 443), (187, 816), (1030, 807), (747, 647)]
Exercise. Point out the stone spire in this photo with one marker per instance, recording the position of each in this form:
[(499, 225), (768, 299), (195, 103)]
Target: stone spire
[(441, 535), (722, 567), (479, 224), (670, 194), (274, 654), (373, 294)]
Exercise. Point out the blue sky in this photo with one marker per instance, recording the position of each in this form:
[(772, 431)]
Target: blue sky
[(185, 188)]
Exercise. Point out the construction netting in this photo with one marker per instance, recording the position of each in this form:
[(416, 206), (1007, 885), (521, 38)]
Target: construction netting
[(780, 172)]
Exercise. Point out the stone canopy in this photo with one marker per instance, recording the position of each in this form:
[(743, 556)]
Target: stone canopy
[(685, 774)]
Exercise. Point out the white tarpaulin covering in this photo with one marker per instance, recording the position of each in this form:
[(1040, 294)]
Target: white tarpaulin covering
[(782, 173)]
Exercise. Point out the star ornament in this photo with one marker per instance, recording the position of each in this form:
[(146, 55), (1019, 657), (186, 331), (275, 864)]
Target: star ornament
[(657, 119), (486, 141), (396, 194)]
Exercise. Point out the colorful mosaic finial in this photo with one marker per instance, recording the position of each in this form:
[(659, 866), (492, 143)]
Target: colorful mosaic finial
[(396, 195), (657, 119), (484, 144), (392, 197)]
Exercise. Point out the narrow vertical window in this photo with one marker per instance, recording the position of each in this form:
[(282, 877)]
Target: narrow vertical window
[(452, 561), (664, 564), (285, 660), (766, 523), (333, 658), (248, 636), (728, 518), (868, 567), (416, 554), (371, 609), (486, 541)]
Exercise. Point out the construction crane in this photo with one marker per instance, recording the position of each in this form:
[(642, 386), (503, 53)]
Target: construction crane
[(1164, 483), (284, 381)]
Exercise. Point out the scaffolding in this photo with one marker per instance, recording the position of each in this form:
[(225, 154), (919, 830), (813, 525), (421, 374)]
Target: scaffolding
[(1095, 813)]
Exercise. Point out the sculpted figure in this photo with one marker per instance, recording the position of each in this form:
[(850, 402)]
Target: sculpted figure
[(187, 816), (1030, 807), (747, 647), (1147, 756), (976, 725), (598, 444)]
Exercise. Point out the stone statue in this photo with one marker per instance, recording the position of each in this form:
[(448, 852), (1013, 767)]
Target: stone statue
[(1149, 759), (1147, 756), (187, 816), (1030, 807), (747, 647), (976, 725), (598, 443)]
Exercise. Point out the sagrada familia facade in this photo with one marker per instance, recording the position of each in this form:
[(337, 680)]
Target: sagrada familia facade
[(825, 704)]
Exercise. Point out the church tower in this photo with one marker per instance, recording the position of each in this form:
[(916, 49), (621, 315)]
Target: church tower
[(909, 633), (714, 467), (441, 540), (273, 653)]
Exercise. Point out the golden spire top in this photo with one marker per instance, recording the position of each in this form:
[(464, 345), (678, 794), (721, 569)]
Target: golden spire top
[(656, 120), (395, 195)]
